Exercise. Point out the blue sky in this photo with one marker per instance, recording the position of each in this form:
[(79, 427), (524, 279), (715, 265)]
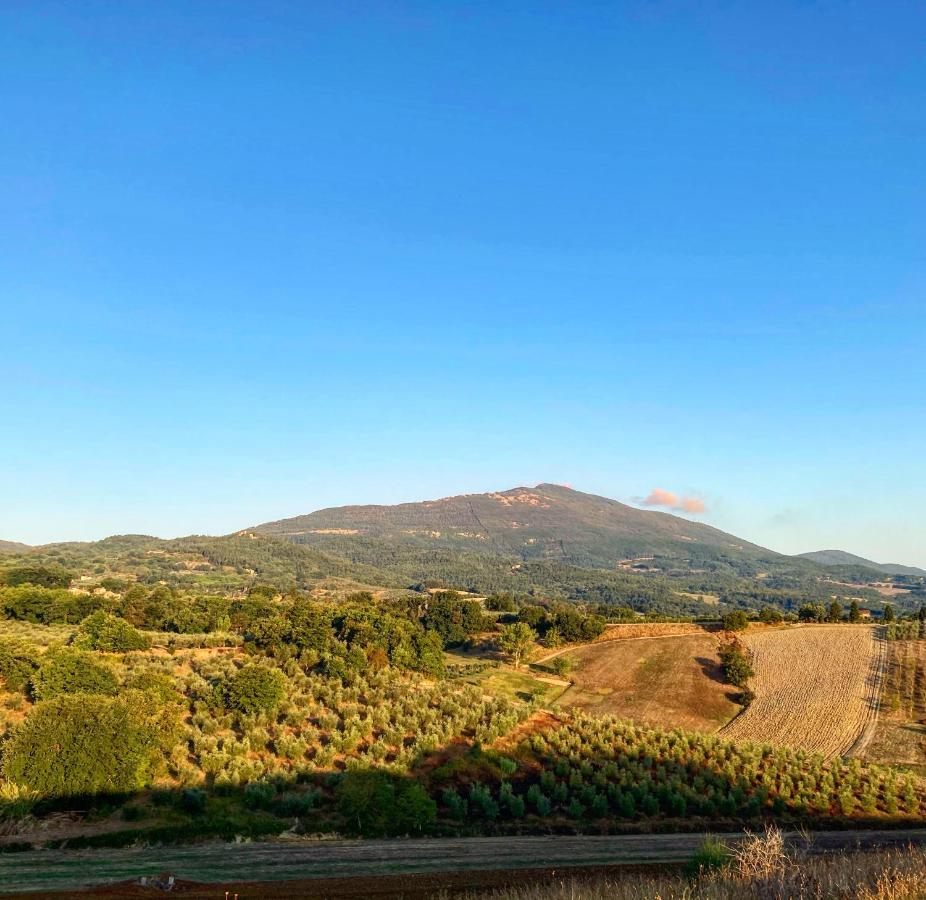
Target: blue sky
[(263, 258)]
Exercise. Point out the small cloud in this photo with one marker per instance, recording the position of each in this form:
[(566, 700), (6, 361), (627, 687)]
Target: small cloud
[(659, 497), (671, 500)]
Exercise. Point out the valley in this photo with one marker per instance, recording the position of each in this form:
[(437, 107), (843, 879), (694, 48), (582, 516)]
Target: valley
[(365, 674)]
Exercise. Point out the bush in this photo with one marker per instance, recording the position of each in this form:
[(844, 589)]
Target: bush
[(735, 662), (104, 631), (83, 744), (562, 665), (372, 802), (711, 855), (41, 576), (16, 664), (255, 689), (65, 671), (735, 621)]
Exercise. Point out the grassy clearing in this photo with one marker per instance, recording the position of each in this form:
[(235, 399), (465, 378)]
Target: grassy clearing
[(671, 681)]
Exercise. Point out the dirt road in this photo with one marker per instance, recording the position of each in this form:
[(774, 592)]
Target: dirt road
[(223, 864)]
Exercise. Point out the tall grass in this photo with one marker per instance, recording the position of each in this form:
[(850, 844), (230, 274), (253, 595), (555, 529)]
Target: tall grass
[(760, 868)]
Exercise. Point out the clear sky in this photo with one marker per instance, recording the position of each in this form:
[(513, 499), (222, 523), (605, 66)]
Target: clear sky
[(260, 258)]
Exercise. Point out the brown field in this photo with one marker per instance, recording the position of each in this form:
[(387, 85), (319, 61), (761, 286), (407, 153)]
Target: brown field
[(671, 681), (900, 735), (816, 688)]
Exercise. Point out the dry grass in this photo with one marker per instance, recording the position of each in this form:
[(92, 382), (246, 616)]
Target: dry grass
[(672, 682), (760, 869), (816, 688)]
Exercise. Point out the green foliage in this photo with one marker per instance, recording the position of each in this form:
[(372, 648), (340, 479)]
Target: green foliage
[(255, 689), (66, 671), (736, 620), (562, 665), (736, 666), (770, 615), (711, 855), (502, 602), (17, 664), (47, 605), (453, 618), (103, 631), (85, 744), (812, 612), (374, 803), (38, 575), (516, 641)]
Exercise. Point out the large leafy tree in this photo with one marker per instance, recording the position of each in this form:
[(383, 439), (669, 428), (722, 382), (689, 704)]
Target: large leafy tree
[(104, 631), (83, 744), (66, 671), (255, 689), (516, 641)]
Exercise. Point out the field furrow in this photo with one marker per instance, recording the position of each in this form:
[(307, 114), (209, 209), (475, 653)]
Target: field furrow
[(816, 688)]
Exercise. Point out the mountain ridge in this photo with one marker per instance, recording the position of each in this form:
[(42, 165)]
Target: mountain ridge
[(546, 521), (843, 558)]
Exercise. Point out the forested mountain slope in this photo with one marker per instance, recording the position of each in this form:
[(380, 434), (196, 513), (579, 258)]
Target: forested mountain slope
[(549, 522)]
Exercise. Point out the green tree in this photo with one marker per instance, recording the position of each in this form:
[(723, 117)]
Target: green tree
[(373, 803), (66, 671), (516, 641), (84, 744), (562, 665), (834, 612), (104, 631), (770, 615), (855, 614), (38, 575), (812, 612), (888, 615), (736, 620), (255, 689), (17, 663)]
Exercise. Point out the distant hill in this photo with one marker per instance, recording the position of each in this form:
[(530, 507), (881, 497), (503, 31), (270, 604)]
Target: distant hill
[(841, 558), (13, 547), (547, 522), (227, 562)]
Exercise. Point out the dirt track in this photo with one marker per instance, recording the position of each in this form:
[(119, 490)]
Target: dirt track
[(342, 868)]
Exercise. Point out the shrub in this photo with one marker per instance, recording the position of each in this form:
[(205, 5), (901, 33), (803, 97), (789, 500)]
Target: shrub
[(83, 744), (16, 664), (372, 802), (736, 667), (104, 631), (562, 665), (41, 576), (255, 689), (66, 671), (735, 621), (711, 855)]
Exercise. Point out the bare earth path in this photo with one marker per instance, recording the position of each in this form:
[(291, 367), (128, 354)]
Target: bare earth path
[(361, 861), (816, 688)]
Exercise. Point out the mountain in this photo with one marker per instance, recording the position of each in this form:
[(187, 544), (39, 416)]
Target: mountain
[(546, 522), (841, 558)]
